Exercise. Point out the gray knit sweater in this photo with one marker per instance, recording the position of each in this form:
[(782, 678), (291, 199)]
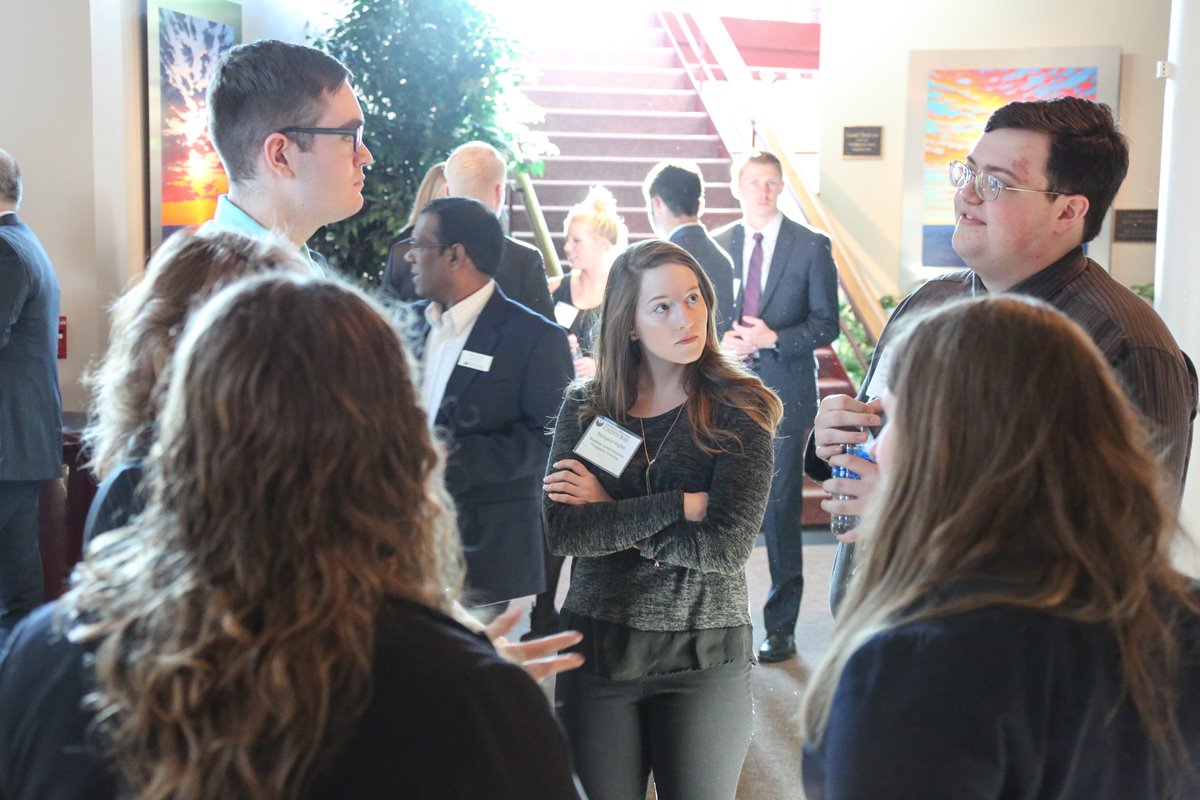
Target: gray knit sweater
[(688, 575)]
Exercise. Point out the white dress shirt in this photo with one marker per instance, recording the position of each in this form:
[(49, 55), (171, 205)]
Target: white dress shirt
[(770, 233), (448, 332)]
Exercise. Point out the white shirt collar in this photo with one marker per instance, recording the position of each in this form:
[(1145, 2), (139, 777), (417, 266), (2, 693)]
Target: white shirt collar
[(461, 314)]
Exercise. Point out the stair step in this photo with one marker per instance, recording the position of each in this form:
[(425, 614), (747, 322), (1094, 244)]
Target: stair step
[(616, 121), (624, 55), (613, 99), (609, 77), (628, 192), (659, 145), (618, 168)]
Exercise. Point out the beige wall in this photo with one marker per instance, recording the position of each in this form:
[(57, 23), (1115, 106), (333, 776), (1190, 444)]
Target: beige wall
[(865, 46)]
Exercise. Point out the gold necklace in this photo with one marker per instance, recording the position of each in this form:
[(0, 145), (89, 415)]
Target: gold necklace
[(650, 461)]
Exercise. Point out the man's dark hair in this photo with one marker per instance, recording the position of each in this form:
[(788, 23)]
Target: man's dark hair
[(262, 87), (465, 221), (1088, 155), (679, 184), (10, 179)]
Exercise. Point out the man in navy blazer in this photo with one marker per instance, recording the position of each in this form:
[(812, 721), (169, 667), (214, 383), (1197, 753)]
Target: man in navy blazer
[(492, 379), (30, 404), (674, 193), (786, 306)]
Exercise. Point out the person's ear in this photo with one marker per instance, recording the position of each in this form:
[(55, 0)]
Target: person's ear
[(1072, 212), (276, 152)]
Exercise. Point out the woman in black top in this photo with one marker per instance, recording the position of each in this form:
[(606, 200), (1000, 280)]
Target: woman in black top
[(146, 322), (276, 623), (658, 585), (595, 234), (1015, 629)]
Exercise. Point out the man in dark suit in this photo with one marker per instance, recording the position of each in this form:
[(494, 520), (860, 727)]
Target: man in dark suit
[(477, 170), (674, 193), (493, 377), (30, 404), (786, 306)]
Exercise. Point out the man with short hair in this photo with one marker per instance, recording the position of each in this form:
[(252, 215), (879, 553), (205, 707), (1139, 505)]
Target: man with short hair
[(492, 379), (1034, 189), (30, 403), (674, 193), (786, 307), (478, 170), (288, 128)]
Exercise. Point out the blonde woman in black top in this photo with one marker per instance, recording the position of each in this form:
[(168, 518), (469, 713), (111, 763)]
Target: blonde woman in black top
[(658, 585)]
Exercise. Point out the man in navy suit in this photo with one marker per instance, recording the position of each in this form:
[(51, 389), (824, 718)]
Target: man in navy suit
[(477, 170), (492, 379), (675, 202), (786, 307), (30, 404)]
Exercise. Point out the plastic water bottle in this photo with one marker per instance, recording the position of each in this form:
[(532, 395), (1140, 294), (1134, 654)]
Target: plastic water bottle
[(844, 523)]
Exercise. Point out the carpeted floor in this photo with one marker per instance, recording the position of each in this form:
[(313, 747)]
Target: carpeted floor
[(772, 768)]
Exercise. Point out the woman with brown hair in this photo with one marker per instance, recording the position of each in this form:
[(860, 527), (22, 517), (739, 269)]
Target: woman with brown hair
[(658, 585), (146, 323), (1016, 629), (275, 623)]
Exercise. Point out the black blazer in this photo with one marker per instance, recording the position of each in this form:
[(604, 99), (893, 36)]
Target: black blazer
[(495, 425), (716, 263), (521, 274), (800, 304), (30, 403)]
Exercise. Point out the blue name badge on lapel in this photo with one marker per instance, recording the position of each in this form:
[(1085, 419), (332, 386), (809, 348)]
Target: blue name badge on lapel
[(607, 445), (476, 361)]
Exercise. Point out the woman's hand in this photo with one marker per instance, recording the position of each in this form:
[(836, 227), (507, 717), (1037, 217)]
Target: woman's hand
[(695, 506), (585, 367), (540, 657), (574, 484)]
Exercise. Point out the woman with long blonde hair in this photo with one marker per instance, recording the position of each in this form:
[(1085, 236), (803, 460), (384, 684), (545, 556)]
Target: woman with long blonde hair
[(1016, 629), (274, 624), (658, 585)]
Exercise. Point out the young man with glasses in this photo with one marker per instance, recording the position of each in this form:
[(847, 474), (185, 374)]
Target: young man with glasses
[(288, 128), (1035, 188)]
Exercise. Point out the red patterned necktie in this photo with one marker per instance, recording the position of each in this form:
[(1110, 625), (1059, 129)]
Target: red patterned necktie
[(753, 293)]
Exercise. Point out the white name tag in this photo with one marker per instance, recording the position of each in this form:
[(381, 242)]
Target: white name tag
[(477, 361), (565, 314), (737, 287), (607, 445)]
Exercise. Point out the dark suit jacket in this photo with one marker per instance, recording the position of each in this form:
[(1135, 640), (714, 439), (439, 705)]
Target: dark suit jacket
[(716, 263), (521, 275), (495, 425), (800, 304), (30, 403)]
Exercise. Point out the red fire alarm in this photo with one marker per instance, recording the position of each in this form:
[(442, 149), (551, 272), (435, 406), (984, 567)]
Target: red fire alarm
[(62, 337)]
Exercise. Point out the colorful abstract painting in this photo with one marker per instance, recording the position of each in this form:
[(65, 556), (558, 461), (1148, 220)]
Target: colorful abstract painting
[(958, 103), (192, 177)]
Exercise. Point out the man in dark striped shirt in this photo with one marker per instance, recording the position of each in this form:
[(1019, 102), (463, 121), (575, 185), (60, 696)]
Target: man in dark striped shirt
[(1037, 185)]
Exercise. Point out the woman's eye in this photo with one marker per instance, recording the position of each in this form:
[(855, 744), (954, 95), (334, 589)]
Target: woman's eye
[(661, 307)]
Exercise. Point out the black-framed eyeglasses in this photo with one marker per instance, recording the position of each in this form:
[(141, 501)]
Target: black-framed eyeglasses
[(987, 186), (355, 134), (415, 245)]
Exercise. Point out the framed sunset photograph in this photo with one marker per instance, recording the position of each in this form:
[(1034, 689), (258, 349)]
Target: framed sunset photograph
[(184, 41)]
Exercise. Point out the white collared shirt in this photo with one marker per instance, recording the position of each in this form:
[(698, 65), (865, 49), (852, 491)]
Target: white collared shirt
[(770, 233), (448, 332)]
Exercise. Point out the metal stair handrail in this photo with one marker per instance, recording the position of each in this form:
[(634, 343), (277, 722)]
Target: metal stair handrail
[(537, 221)]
